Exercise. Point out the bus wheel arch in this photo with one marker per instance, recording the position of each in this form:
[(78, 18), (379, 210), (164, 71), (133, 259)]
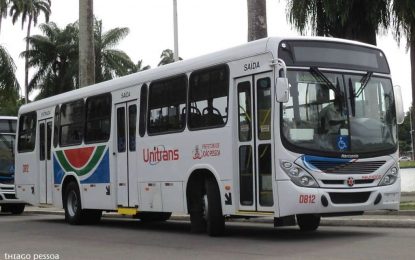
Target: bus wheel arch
[(75, 214), (204, 203)]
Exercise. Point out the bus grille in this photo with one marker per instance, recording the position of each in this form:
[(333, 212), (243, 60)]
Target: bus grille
[(342, 167), (343, 182), (349, 198)]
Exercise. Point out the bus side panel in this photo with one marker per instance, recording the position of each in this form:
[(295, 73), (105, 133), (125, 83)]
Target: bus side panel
[(26, 177)]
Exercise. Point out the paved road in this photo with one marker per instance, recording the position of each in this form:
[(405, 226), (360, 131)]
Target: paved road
[(129, 239)]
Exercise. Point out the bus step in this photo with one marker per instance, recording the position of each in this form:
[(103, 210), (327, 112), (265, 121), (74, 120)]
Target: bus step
[(127, 211)]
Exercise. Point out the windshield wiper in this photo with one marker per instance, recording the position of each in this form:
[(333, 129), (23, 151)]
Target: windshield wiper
[(365, 79), (319, 75)]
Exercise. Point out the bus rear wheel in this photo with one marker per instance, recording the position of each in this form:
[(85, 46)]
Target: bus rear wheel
[(17, 209), (212, 209), (72, 204), (308, 222), (74, 214), (153, 216)]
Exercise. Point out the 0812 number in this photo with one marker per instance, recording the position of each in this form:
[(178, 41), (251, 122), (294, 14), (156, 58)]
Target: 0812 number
[(307, 199)]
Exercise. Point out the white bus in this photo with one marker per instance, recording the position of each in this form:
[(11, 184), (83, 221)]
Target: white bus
[(291, 128), (8, 200)]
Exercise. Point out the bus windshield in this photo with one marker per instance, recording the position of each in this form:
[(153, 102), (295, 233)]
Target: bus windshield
[(6, 156), (332, 113)]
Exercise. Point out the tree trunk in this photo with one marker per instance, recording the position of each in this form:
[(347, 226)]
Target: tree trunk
[(86, 43), (26, 63), (257, 19), (412, 57), (320, 20)]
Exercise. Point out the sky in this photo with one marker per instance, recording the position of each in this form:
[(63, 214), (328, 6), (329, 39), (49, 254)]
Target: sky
[(204, 26)]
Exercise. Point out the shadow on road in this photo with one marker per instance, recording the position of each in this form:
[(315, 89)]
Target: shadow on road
[(234, 230)]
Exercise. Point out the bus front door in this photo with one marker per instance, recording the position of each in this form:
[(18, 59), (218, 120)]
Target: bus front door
[(45, 162), (126, 122), (255, 142)]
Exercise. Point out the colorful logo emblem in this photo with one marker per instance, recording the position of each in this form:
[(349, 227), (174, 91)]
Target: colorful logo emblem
[(90, 164)]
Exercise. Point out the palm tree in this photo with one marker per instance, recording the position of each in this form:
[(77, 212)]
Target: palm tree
[(8, 81), (167, 56), (86, 43), (350, 19), (55, 56), (139, 67), (29, 10), (404, 25), (9, 86), (4, 5), (257, 19), (110, 63)]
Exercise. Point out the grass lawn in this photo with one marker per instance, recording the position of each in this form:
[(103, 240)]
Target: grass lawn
[(407, 164), (409, 205)]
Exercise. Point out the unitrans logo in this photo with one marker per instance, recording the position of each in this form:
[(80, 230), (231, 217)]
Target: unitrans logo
[(159, 154)]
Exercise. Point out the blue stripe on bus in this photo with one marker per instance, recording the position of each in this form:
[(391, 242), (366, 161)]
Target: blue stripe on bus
[(101, 173)]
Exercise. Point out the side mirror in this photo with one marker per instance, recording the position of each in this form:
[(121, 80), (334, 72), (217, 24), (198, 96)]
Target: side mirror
[(281, 84), (400, 114)]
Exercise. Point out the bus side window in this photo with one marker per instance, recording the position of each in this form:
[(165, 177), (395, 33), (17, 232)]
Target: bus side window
[(143, 110), (72, 123), (27, 132), (264, 108), (208, 97), (98, 118), (166, 101), (56, 127)]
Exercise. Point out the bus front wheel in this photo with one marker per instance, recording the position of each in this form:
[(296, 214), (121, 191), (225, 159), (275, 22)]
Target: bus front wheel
[(308, 222)]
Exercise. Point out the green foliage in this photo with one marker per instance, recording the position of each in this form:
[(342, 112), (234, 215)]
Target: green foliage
[(167, 56), (350, 19), (408, 205), (404, 19), (407, 164), (110, 63), (404, 135), (55, 56), (8, 81), (30, 9)]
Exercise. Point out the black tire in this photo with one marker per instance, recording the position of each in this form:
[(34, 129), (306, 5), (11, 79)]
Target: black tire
[(72, 205), (308, 222), (16, 209), (92, 216), (196, 206), (153, 216), (213, 209), (74, 214)]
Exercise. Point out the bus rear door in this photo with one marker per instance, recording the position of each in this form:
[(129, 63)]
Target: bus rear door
[(45, 162), (126, 125)]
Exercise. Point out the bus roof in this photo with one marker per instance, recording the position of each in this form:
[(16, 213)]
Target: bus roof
[(220, 57)]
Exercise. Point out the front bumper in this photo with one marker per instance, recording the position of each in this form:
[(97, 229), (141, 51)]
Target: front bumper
[(8, 194), (299, 200)]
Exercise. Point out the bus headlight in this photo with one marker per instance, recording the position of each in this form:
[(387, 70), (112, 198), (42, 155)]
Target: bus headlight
[(298, 175), (390, 177)]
